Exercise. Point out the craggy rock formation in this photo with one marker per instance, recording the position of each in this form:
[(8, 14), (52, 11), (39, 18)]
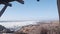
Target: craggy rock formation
[(2, 28), (42, 28), (5, 30)]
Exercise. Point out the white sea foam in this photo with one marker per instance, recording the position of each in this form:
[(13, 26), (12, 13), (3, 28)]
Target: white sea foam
[(13, 24)]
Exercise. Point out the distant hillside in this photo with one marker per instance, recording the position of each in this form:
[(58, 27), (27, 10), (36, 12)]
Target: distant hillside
[(40, 28)]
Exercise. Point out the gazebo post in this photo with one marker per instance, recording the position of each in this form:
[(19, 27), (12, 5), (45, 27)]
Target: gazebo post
[(58, 4)]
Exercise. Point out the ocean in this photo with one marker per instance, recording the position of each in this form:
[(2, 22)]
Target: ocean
[(18, 23)]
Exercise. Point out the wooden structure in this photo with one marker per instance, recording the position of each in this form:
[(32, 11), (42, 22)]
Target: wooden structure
[(6, 3)]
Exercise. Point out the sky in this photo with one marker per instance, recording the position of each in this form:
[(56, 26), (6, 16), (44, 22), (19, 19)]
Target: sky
[(31, 10)]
